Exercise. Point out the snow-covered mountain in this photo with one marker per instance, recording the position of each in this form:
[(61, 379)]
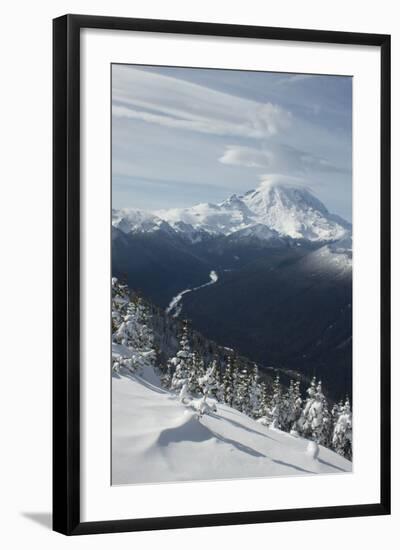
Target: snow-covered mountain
[(138, 221), (272, 210), (295, 212)]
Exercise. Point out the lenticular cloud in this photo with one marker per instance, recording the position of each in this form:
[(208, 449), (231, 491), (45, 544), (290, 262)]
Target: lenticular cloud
[(157, 99)]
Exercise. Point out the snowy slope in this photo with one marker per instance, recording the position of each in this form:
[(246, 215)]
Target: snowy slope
[(156, 438), (216, 219), (295, 212), (336, 257), (258, 231)]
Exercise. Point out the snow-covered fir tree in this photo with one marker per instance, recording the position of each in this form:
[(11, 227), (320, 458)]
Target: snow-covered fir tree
[(130, 330), (181, 364), (262, 410), (242, 388), (315, 420), (275, 412), (228, 382), (342, 431), (305, 421), (207, 384), (323, 430), (195, 371), (335, 412), (255, 393), (218, 391), (292, 406), (207, 381)]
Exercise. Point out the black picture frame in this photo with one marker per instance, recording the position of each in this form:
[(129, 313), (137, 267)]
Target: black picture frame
[(66, 272)]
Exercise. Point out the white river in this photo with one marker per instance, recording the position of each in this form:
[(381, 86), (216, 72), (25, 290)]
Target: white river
[(175, 306)]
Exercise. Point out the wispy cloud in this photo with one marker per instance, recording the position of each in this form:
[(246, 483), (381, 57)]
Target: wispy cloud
[(206, 129), (163, 100), (277, 158), (294, 78)]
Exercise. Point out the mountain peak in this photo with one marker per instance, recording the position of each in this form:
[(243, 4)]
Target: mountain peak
[(287, 193), (294, 211)]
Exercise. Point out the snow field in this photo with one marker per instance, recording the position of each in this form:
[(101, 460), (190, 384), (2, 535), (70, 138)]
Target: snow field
[(156, 438)]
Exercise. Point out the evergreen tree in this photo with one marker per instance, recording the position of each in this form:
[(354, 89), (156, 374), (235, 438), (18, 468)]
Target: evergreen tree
[(180, 365), (322, 425), (335, 412), (315, 420), (263, 402), (166, 376), (275, 411), (228, 383), (144, 336), (218, 389), (289, 407), (305, 420), (294, 406), (242, 388), (207, 383), (130, 330), (255, 394), (119, 303), (196, 371), (342, 431)]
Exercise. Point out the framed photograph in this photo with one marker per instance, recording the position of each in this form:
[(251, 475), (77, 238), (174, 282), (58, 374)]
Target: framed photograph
[(221, 274)]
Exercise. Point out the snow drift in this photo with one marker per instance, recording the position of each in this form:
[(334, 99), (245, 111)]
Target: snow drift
[(156, 438)]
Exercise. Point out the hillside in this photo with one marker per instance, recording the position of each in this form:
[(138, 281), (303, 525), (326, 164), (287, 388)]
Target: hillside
[(289, 310), (156, 438), (184, 408)]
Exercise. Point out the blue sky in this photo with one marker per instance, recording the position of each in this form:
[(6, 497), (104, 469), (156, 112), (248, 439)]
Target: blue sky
[(182, 136)]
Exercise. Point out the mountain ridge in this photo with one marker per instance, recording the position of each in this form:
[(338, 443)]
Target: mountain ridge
[(285, 210)]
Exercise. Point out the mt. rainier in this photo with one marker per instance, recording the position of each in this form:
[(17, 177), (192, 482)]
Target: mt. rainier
[(294, 212), (284, 210)]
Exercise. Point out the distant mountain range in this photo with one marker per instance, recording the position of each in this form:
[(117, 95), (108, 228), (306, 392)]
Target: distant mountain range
[(283, 291), (269, 211)]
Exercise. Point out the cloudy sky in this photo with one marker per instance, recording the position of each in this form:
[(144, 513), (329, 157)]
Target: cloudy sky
[(182, 136)]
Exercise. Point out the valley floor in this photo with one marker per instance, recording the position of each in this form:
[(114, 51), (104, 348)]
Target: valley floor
[(155, 438)]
